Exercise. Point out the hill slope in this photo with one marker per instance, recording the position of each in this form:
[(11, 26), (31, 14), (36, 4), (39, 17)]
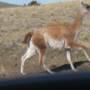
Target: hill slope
[(3, 4)]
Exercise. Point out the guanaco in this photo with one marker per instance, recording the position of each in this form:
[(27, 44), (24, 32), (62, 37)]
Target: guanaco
[(57, 37)]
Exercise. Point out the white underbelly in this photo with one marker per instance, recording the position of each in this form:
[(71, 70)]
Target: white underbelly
[(55, 44)]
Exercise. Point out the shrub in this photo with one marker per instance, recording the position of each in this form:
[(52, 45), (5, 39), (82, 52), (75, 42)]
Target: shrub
[(33, 3)]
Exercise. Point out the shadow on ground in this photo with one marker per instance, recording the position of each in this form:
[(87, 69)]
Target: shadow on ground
[(67, 66)]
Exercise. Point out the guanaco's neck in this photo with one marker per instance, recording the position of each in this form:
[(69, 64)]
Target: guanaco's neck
[(77, 22)]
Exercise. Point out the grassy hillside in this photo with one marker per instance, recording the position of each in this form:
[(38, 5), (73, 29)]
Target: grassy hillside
[(16, 22), (3, 4)]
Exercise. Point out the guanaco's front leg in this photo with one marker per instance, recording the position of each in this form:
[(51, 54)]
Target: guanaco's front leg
[(80, 47), (68, 55)]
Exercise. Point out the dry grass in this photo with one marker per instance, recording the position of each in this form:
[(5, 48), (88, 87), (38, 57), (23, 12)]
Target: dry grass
[(16, 22)]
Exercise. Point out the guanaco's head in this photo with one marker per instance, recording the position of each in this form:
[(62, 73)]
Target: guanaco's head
[(85, 8)]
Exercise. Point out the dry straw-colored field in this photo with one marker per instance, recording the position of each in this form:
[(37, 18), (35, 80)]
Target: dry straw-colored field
[(16, 22)]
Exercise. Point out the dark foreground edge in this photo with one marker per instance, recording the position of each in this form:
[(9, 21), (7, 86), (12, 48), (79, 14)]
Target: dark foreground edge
[(45, 81)]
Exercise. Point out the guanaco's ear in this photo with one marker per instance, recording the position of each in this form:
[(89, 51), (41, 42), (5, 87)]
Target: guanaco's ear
[(83, 4), (87, 6)]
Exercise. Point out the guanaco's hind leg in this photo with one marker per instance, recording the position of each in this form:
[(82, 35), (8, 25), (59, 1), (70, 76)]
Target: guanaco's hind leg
[(29, 53), (42, 61)]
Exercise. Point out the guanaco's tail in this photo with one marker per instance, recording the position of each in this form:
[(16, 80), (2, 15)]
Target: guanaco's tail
[(27, 37)]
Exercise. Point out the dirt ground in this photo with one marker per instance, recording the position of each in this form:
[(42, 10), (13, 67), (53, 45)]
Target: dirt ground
[(16, 22)]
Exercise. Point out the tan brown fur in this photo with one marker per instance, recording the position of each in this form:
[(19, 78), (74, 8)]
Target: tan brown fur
[(27, 37), (56, 31), (41, 56), (38, 40)]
